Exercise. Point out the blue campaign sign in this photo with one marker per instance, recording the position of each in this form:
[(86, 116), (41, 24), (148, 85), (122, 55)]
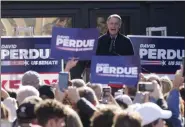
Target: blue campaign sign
[(162, 55), (115, 70), (74, 42), (19, 55)]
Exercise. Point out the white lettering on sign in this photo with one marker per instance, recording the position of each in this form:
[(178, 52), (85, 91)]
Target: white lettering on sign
[(67, 42), (116, 70), (168, 54), (25, 53)]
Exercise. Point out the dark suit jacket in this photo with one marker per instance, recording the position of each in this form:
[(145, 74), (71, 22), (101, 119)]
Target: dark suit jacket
[(123, 45)]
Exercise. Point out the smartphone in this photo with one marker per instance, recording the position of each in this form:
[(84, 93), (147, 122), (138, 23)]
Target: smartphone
[(106, 94), (63, 80), (145, 86)]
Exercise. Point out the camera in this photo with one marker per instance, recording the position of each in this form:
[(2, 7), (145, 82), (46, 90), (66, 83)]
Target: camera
[(145, 86)]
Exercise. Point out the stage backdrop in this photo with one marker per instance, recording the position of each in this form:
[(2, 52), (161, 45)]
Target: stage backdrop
[(161, 55), (19, 55), (74, 42)]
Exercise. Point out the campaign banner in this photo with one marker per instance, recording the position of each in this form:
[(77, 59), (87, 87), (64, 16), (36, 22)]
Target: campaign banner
[(21, 54), (159, 54), (13, 81), (115, 70), (80, 43)]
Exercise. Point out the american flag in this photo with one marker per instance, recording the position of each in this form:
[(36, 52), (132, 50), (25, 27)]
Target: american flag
[(150, 62), (65, 48), (12, 63), (109, 75)]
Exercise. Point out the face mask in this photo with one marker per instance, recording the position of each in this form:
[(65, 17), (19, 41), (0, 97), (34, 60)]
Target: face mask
[(5, 123)]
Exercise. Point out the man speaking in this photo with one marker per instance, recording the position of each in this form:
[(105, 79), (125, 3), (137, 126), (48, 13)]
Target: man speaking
[(110, 44), (113, 42)]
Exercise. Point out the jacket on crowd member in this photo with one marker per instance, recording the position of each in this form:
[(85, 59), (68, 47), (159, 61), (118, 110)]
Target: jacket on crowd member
[(123, 45), (173, 101)]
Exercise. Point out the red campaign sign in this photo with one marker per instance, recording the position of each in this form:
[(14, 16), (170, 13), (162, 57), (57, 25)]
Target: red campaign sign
[(15, 84)]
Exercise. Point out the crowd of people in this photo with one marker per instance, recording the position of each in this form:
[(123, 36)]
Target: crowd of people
[(80, 105), (84, 104)]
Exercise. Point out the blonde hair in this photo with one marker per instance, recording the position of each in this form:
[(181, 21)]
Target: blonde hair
[(5, 114), (166, 84), (78, 83), (97, 89), (89, 94), (153, 76)]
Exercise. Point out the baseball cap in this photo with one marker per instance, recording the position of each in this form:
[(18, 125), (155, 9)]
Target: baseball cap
[(26, 109), (150, 112), (124, 98)]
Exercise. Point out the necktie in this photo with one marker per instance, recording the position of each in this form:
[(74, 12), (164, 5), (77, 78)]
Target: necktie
[(112, 44)]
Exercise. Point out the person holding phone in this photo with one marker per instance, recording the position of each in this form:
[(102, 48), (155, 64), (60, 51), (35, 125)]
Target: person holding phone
[(173, 100), (64, 81)]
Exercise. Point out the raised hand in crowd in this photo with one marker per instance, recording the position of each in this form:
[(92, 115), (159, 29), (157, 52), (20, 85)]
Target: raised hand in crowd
[(112, 100), (73, 94), (70, 64), (4, 94), (142, 78), (59, 95), (157, 93), (173, 100), (179, 79)]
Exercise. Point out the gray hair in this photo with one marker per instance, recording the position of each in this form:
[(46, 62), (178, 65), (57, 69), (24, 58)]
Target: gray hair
[(115, 16), (26, 91), (31, 78), (78, 83)]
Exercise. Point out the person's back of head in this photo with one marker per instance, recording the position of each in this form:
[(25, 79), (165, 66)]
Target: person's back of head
[(46, 92), (78, 83), (97, 89), (166, 84), (26, 91), (104, 115), (89, 94), (123, 100), (31, 78), (127, 119), (25, 112), (151, 77), (130, 91), (12, 93), (73, 120), (50, 113)]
